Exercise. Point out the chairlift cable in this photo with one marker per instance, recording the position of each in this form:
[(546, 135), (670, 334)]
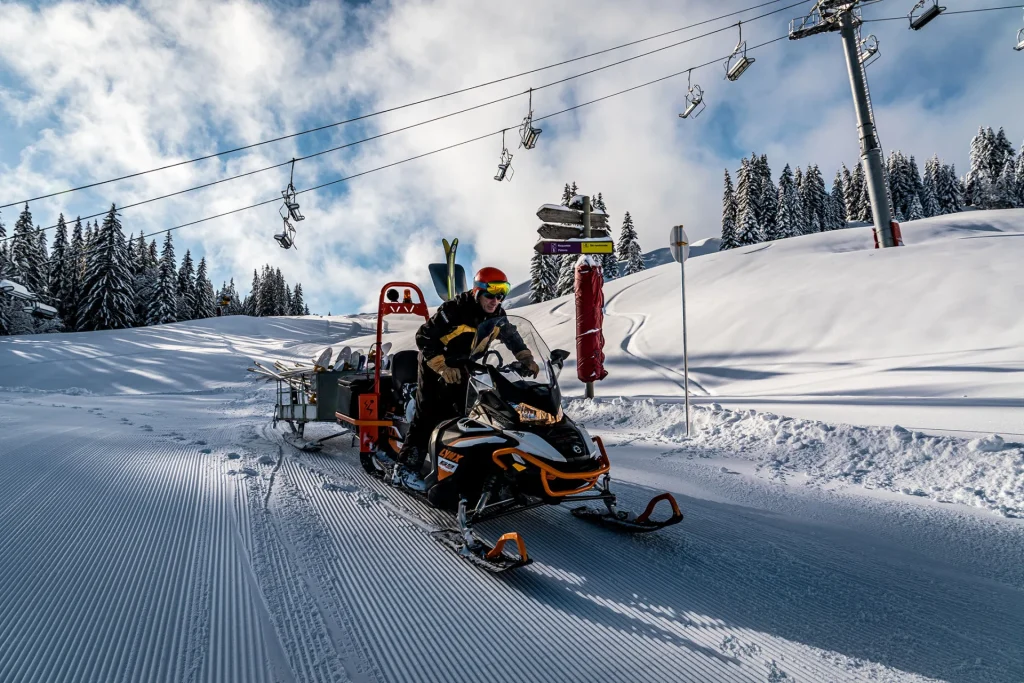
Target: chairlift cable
[(433, 98), (410, 126), (441, 149)]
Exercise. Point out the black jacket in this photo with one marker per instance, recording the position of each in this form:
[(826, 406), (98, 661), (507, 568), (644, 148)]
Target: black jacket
[(452, 330)]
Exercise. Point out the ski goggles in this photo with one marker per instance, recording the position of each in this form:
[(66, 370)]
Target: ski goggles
[(493, 290)]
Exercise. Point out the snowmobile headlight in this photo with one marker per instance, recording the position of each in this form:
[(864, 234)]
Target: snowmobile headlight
[(528, 413)]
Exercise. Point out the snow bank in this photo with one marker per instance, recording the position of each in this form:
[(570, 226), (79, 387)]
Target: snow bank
[(986, 473)]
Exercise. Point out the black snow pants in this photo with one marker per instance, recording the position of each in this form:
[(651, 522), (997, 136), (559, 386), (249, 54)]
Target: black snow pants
[(436, 401)]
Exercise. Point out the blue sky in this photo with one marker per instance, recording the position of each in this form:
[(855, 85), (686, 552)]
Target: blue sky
[(90, 91)]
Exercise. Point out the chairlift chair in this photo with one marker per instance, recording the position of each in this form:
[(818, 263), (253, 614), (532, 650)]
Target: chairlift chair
[(869, 50), (694, 99), (1020, 41), (286, 238), (527, 133), (918, 21), (289, 195), (505, 170), (738, 62)]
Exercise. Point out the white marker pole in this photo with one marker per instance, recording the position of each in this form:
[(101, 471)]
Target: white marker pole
[(680, 247)]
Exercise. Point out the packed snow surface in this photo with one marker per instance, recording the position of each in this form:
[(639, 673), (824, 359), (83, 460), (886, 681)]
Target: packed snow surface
[(155, 526)]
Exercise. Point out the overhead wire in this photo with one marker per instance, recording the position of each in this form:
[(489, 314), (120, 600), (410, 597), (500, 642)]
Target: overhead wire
[(451, 146), (433, 98), (432, 120)]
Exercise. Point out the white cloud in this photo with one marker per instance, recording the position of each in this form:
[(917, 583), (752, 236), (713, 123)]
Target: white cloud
[(105, 90)]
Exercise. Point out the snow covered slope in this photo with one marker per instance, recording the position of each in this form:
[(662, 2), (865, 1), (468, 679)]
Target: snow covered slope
[(930, 335)]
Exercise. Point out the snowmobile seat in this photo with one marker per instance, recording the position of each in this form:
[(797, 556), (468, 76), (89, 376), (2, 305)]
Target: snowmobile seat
[(405, 367)]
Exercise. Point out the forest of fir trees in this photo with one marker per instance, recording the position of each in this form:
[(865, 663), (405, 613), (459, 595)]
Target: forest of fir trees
[(555, 276), (98, 279), (758, 210)]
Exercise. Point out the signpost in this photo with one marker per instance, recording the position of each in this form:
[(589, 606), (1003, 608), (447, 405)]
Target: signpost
[(679, 244), (577, 229)]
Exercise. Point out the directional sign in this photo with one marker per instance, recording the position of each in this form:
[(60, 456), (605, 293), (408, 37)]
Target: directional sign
[(573, 246), (555, 213), (557, 231)]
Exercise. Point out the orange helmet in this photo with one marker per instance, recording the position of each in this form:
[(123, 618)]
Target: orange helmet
[(490, 282)]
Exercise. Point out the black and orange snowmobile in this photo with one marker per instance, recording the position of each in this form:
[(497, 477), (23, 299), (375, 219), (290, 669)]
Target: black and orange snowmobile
[(513, 450)]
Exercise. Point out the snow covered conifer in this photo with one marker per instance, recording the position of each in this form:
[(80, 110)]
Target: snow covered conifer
[(815, 199), (540, 286), (609, 262), (60, 267), (186, 301), (566, 283), (108, 293), (839, 200), (915, 212), (1004, 195), (769, 200), (978, 180), (629, 253), (748, 230), (929, 194), (786, 216), (729, 215), (853, 189), (298, 305), (1001, 152), (163, 306), (205, 306), (24, 254)]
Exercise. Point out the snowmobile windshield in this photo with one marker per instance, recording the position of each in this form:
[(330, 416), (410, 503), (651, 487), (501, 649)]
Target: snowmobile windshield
[(498, 340)]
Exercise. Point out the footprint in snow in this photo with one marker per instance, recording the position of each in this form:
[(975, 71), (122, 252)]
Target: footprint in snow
[(246, 472), (233, 456), (206, 451), (347, 488), (266, 460), (146, 428)]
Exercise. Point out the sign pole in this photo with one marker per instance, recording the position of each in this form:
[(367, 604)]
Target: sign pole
[(589, 392), (686, 363), (679, 244)]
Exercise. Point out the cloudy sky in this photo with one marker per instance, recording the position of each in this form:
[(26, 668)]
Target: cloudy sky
[(95, 90)]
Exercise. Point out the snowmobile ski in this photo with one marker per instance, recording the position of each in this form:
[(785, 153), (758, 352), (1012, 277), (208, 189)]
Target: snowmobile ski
[(481, 554), (627, 521)]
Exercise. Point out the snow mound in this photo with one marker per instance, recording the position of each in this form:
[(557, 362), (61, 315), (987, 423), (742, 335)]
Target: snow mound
[(986, 473)]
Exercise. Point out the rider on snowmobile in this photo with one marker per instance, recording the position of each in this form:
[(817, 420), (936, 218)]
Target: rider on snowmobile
[(445, 342)]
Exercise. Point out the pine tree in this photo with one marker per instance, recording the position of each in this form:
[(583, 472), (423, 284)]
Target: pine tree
[(629, 252), (298, 305), (108, 294), (205, 306), (186, 300), (729, 215), (566, 283), (252, 300), (814, 199), (929, 193), (802, 223), (73, 303), (540, 287), (839, 200), (1001, 152), (163, 306), (977, 185), (1020, 176), (863, 212), (769, 200), (785, 218), (854, 188), (748, 230), (1004, 194), (609, 262), (915, 212), (60, 268), (24, 254), (43, 257)]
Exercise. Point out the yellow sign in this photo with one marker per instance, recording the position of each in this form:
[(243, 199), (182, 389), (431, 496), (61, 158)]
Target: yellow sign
[(602, 247)]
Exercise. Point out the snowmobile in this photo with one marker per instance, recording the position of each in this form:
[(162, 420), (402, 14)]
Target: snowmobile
[(514, 449)]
